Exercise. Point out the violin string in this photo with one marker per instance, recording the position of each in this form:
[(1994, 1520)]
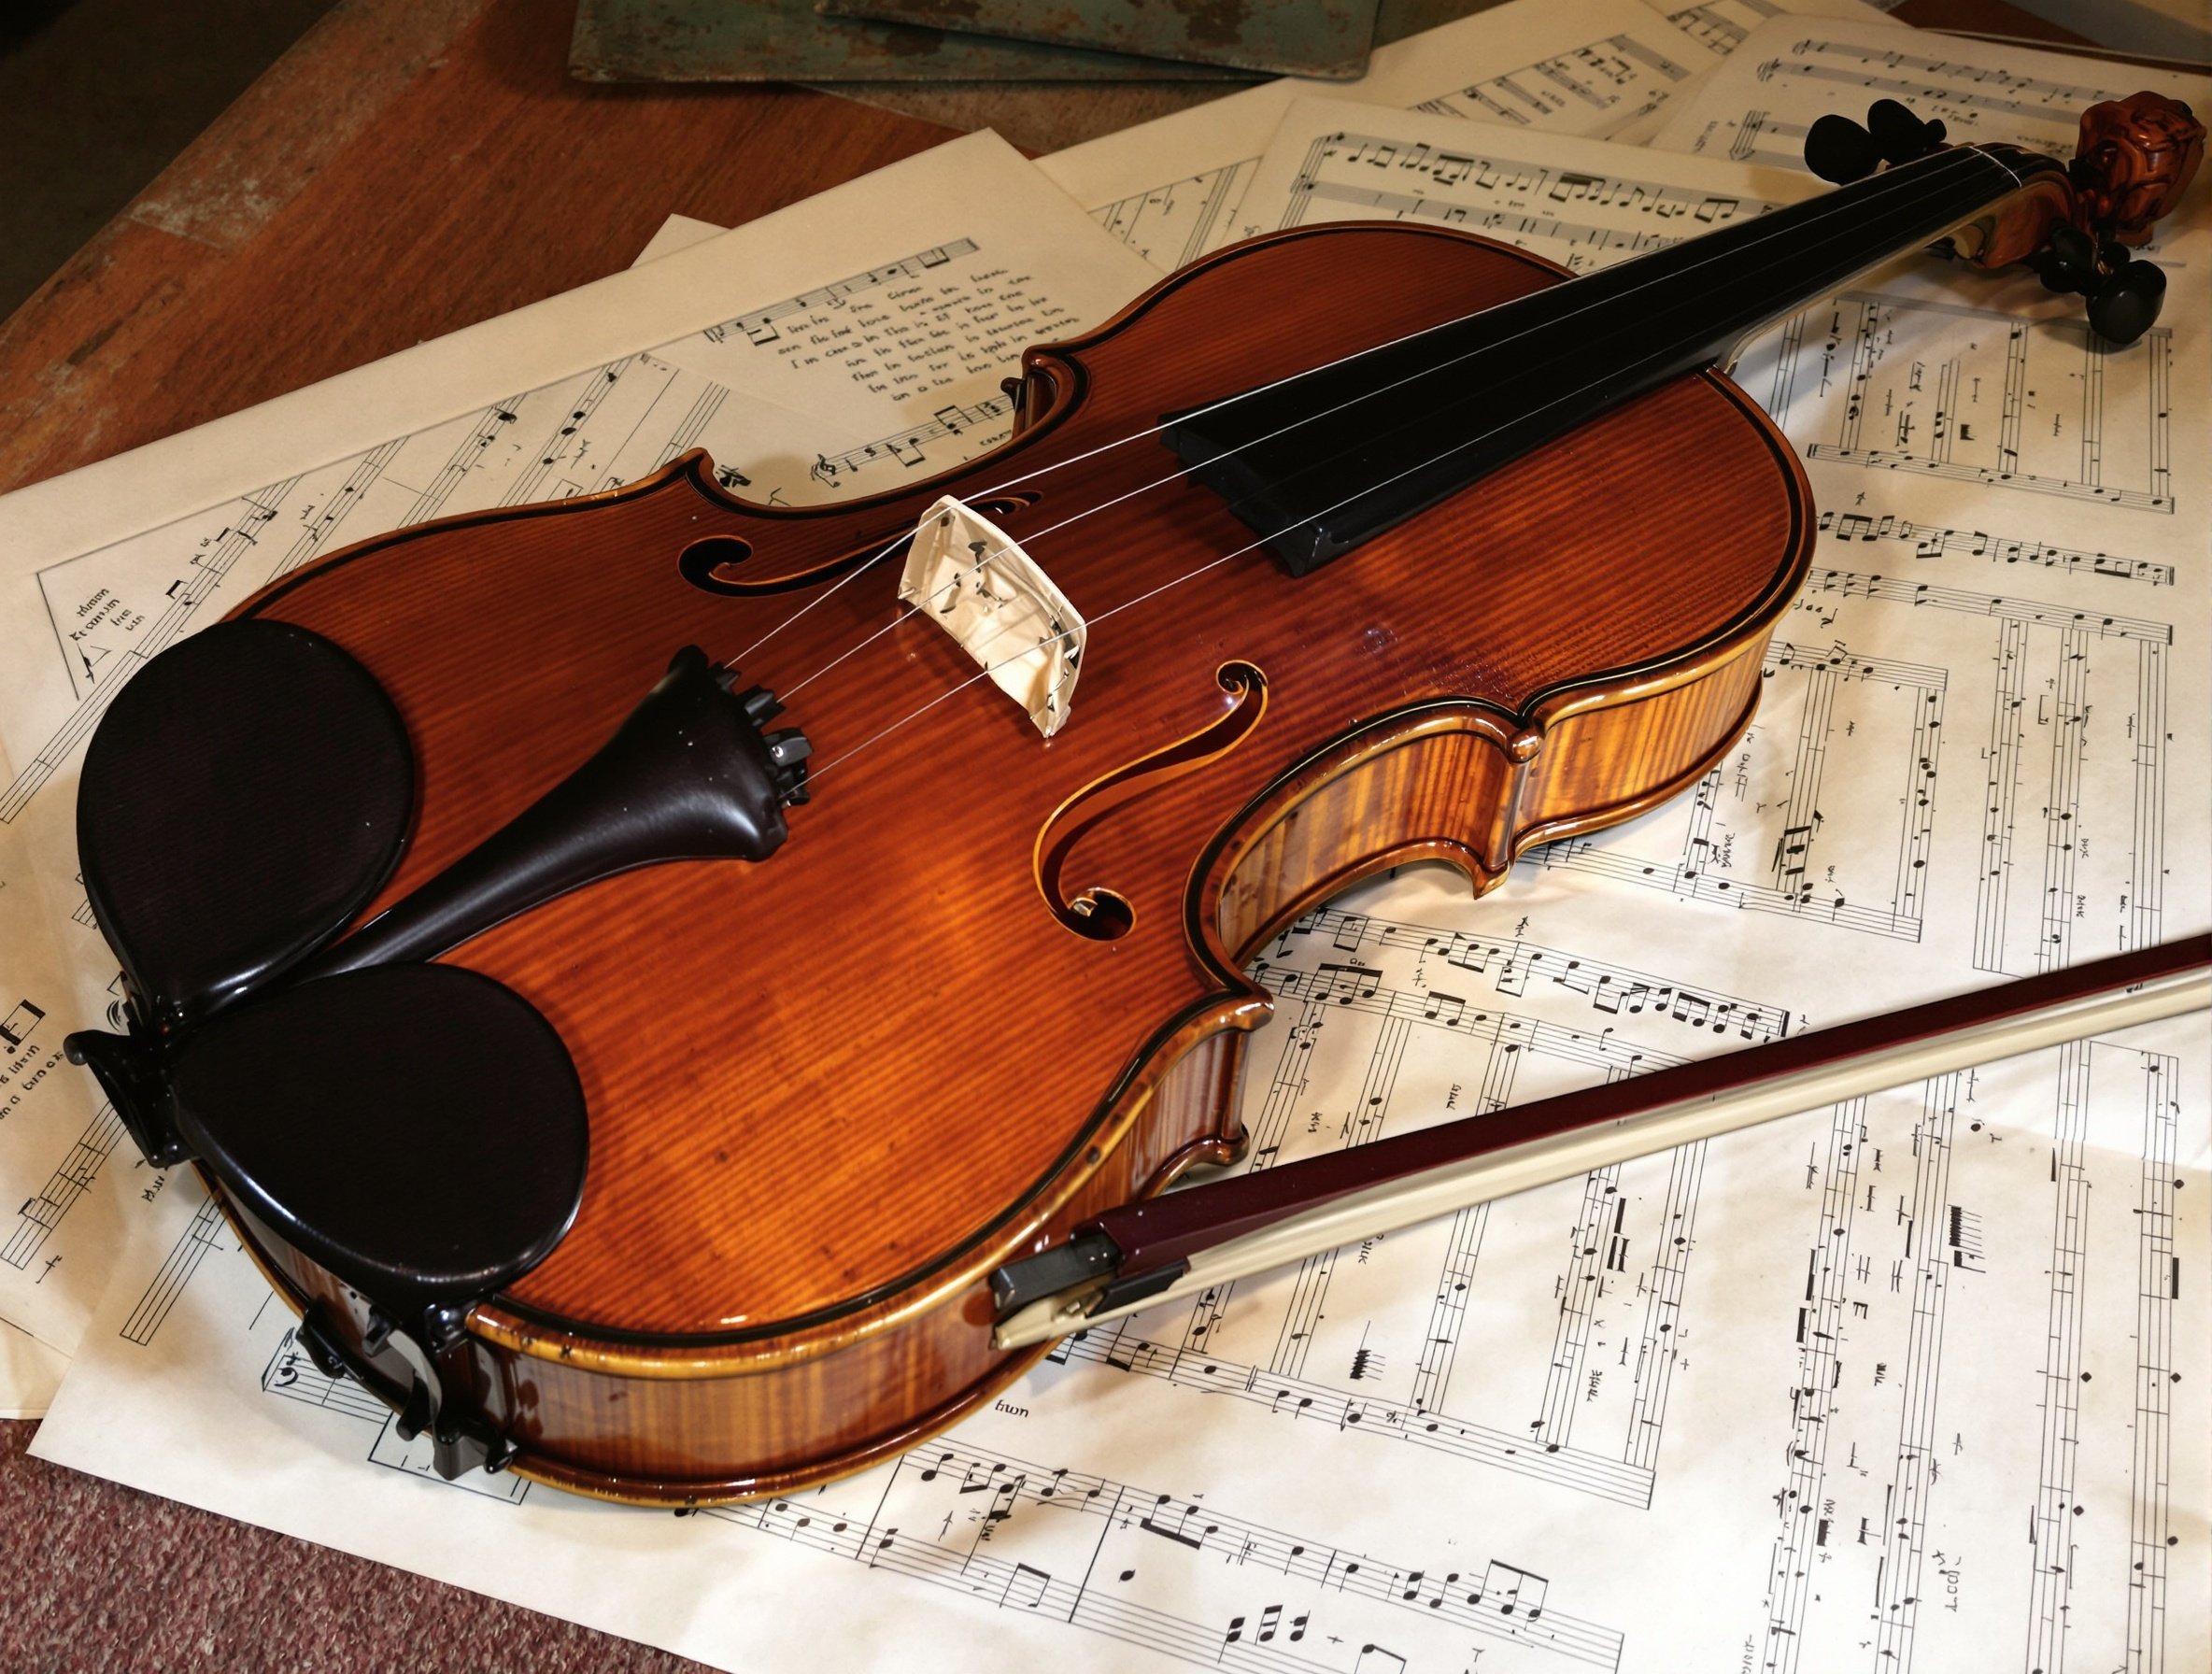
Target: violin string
[(975, 570), (1213, 563), (988, 669), (1898, 179), (1191, 575), (1944, 168)]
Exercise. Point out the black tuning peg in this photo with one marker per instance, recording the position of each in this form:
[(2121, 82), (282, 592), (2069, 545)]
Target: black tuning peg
[(2124, 292), (2126, 305), (2069, 263), (1898, 134), (1839, 150)]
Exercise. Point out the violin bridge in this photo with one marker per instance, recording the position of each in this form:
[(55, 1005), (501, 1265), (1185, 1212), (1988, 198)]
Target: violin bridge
[(969, 576)]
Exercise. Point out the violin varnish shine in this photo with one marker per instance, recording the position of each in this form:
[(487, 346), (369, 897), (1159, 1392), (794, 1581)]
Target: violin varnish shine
[(828, 1093)]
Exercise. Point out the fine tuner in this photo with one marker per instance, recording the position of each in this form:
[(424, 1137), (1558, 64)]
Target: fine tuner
[(2134, 155)]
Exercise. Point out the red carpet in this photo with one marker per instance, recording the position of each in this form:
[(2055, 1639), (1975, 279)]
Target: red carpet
[(103, 1576)]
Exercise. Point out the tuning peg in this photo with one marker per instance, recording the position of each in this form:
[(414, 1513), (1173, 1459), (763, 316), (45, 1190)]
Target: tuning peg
[(2126, 304), (1898, 134), (2069, 263), (1839, 150)]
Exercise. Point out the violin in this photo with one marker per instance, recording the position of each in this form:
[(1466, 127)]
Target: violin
[(667, 1180)]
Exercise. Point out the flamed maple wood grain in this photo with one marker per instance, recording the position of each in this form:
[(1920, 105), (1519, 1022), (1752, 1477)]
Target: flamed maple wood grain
[(831, 1093)]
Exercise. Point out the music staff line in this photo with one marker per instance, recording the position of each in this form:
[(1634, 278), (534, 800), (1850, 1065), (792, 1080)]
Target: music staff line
[(1452, 172), (1849, 584), (1864, 321), (292, 1376), (1907, 1498), (40, 1215), (1714, 23), (2050, 1542), (1804, 1522), (2053, 104), (1359, 987), (2158, 1291), (15, 1029), (204, 1233), (568, 437), (904, 447), (1449, 170), (1508, 965), (1932, 541), (1363, 1124), (758, 327), (1600, 76), (1306, 1401), (1505, 1602), (1195, 214)]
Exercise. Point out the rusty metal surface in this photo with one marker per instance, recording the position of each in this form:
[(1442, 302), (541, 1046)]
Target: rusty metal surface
[(786, 40), (1326, 38)]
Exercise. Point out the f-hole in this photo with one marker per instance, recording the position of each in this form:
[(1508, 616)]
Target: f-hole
[(715, 563), (1096, 911)]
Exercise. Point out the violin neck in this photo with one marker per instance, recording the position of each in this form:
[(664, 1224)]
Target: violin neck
[(1317, 465)]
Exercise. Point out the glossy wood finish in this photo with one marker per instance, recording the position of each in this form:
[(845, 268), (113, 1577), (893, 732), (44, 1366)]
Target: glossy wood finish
[(831, 1093), (201, 299), (2133, 159)]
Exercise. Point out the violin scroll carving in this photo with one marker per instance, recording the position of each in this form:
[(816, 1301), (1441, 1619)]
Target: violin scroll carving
[(2136, 158)]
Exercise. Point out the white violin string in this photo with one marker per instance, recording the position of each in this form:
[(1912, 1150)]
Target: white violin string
[(859, 569), (1920, 177), (1938, 177), (1917, 178), (1191, 575), (1823, 210), (977, 568)]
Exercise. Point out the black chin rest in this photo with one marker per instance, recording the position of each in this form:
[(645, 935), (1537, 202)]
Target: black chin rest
[(246, 795), (418, 1129)]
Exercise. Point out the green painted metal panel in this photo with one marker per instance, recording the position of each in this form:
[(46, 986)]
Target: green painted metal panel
[(787, 40), (1326, 38)]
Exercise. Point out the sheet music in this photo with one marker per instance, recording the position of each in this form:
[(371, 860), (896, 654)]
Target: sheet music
[(1790, 71), (1579, 203), (969, 240), (1605, 68), (1824, 1377), (1902, 1379)]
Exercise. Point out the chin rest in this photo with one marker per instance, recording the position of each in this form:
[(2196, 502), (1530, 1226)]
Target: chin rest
[(245, 795), (417, 1129)]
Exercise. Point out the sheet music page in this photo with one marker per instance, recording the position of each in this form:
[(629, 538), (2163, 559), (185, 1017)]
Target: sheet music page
[(1605, 68), (1903, 1378), (1789, 72), (1581, 203), (110, 564)]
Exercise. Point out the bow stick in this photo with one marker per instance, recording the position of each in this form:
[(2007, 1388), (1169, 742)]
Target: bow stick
[(1186, 1242)]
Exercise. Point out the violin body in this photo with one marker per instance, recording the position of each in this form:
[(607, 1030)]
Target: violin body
[(827, 1096)]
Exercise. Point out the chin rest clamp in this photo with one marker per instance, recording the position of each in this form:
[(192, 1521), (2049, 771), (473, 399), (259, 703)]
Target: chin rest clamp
[(415, 1389)]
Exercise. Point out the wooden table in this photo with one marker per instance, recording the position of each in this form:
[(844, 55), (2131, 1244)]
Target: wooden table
[(410, 167)]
